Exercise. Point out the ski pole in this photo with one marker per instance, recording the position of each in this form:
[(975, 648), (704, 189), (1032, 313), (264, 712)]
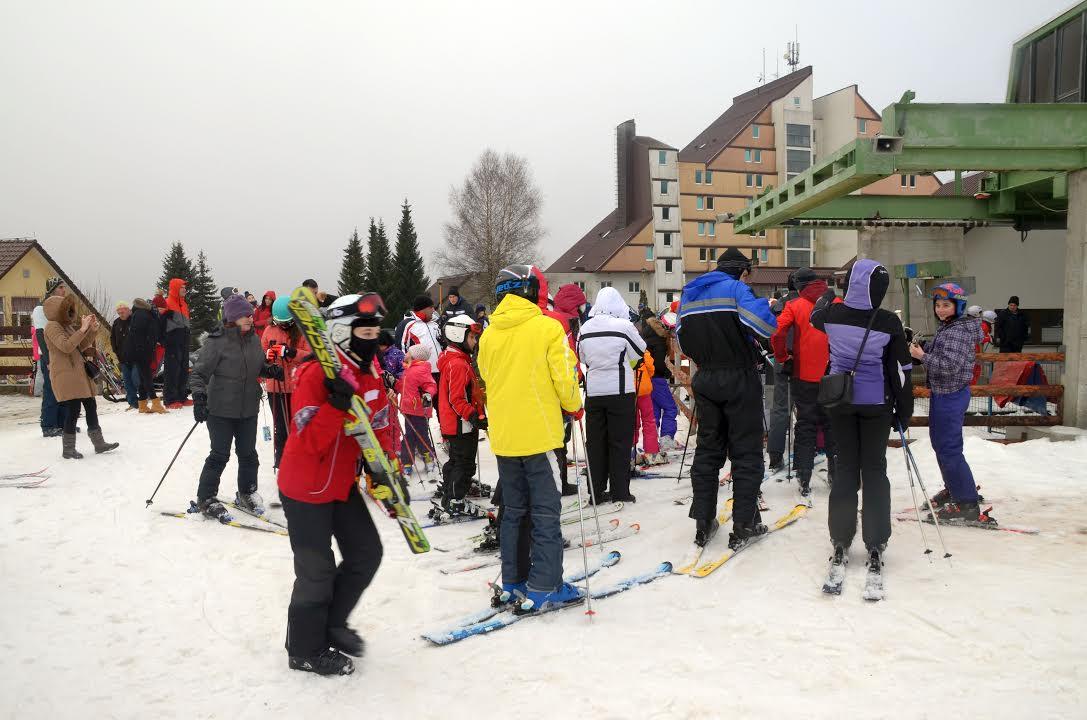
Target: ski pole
[(788, 429), (152, 498), (690, 429), (584, 552), (589, 475), (913, 494), (928, 501)]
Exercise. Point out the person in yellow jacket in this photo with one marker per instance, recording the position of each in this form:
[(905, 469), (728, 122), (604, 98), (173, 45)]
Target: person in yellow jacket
[(530, 374)]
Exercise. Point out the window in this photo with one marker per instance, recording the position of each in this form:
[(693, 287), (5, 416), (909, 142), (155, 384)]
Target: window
[(1044, 68), (747, 156), (667, 239), (648, 252), (2, 316), (669, 297), (666, 212), (902, 180), (581, 284), (749, 180), (797, 161), (699, 203), (662, 157), (668, 265), (701, 228), (1069, 66), (758, 180), (709, 202), (755, 132), (713, 229), (634, 286), (796, 101), (862, 126), (764, 255), (703, 253), (709, 177), (913, 181), (604, 284), (797, 135), (798, 252), (26, 273), (698, 177), (758, 156), (664, 187)]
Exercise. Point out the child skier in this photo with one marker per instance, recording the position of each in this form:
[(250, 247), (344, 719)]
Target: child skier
[(460, 410), (949, 361), (321, 496), (644, 421), (417, 391), (284, 344)]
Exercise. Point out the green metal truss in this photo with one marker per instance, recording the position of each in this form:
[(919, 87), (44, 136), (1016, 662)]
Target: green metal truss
[(1029, 145)]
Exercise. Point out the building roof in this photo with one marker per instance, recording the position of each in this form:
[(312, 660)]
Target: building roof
[(592, 252), (12, 251), (745, 108), (652, 143), (971, 184)]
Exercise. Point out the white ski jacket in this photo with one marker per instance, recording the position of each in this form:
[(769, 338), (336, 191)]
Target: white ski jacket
[(609, 346), (418, 332)]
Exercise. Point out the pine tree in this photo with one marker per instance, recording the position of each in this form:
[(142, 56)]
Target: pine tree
[(176, 264), (408, 267), (379, 275), (353, 269), (203, 299)]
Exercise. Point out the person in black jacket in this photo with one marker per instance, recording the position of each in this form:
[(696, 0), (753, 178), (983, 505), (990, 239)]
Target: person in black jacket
[(1012, 327), (882, 400), (656, 338), (779, 408), (118, 332), (719, 321), (139, 351)]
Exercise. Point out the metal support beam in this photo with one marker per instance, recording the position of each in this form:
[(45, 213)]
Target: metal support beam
[(899, 207)]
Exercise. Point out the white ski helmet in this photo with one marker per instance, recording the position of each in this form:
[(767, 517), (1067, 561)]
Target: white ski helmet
[(973, 311), (348, 312), (458, 327), (989, 315)]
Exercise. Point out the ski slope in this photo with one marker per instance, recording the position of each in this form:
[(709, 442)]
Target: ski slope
[(110, 610)]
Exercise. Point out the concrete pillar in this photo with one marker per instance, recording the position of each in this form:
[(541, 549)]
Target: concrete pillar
[(1075, 303)]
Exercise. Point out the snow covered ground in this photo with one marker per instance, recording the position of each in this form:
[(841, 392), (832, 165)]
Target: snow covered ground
[(109, 609)]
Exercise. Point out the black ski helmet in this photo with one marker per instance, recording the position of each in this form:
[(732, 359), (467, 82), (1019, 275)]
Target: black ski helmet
[(518, 280)]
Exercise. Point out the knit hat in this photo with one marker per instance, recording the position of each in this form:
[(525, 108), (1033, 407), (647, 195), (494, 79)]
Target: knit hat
[(802, 277), (733, 262), (419, 352), (1013, 299), (236, 307), (52, 284), (226, 292), (422, 302), (453, 291)]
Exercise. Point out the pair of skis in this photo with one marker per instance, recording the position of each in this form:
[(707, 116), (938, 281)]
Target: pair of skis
[(193, 513), (697, 565), (24, 480), (873, 579)]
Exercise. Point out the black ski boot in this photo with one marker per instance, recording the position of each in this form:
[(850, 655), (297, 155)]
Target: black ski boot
[(251, 503), (489, 543), (803, 482), (836, 573), (873, 581), (705, 530), (212, 508), (479, 490), (327, 662), (962, 511), (346, 641), (777, 461), (944, 498), (742, 533)]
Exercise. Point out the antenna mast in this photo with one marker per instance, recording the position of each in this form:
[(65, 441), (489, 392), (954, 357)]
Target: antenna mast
[(792, 53)]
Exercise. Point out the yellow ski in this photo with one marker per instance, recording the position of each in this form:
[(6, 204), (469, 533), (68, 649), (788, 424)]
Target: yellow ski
[(788, 519), (696, 554)]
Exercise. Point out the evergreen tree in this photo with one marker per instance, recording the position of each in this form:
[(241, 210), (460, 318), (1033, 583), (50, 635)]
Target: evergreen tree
[(176, 264), (379, 271), (408, 267), (203, 299), (353, 269)]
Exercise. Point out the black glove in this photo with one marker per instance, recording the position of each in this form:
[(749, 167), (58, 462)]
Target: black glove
[(340, 393), (389, 379), (200, 408), (428, 401), (289, 352), (479, 422), (274, 372), (787, 368)]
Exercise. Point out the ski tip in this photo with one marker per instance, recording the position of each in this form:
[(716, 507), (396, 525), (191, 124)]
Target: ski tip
[(664, 567), (635, 527)]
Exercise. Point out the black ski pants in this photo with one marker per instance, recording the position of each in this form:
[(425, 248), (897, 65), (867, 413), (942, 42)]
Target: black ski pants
[(324, 593), (560, 453), (281, 412), (609, 430), (729, 406), (147, 381), (72, 413), (176, 387), (458, 471), (810, 416), (222, 431), (861, 434)]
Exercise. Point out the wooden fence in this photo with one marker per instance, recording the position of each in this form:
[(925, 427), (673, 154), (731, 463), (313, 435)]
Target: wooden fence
[(7, 372)]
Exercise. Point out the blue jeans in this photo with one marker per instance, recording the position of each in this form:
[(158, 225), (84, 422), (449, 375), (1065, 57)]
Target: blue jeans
[(530, 486), (779, 413), (53, 413), (945, 432), (130, 373)]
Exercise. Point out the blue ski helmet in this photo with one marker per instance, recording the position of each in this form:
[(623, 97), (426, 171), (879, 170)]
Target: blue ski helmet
[(952, 292), (280, 314)]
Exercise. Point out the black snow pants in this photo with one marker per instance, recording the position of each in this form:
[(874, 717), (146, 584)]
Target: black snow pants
[(810, 416), (860, 432), (458, 471), (243, 433), (609, 430)]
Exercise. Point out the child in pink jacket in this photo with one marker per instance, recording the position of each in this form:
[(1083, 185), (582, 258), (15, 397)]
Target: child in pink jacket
[(417, 391)]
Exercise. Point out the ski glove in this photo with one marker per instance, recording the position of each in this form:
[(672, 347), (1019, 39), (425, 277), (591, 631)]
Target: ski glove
[(200, 408), (273, 372), (787, 368), (480, 423), (389, 380), (340, 393), (575, 415), (428, 401)]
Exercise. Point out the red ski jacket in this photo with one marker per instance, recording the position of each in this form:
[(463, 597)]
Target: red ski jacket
[(811, 351), (262, 314), (319, 460), (459, 394)]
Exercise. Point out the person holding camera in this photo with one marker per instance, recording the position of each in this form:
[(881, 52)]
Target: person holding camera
[(284, 345)]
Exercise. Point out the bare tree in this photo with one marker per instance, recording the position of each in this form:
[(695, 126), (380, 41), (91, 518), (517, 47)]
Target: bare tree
[(102, 300), (496, 218)]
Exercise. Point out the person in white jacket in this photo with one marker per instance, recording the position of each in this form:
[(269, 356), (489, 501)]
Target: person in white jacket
[(610, 347), (423, 330)]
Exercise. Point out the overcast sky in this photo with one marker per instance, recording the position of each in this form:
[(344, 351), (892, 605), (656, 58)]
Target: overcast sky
[(264, 132)]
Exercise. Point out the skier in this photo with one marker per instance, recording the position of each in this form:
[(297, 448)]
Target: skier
[(1012, 327), (717, 315), (645, 424), (422, 330), (139, 350), (262, 316), (779, 408), (176, 342), (656, 337), (871, 344), (455, 305), (949, 363), (52, 412), (804, 366), (226, 395), (283, 343), (391, 358), (529, 372), (321, 495), (460, 410), (68, 374), (417, 390), (610, 347)]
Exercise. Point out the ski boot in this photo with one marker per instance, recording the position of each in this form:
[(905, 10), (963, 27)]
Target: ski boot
[(479, 490), (540, 600), (211, 508), (944, 498), (742, 533), (803, 483), (508, 593), (836, 573), (705, 530), (489, 543), (873, 581), (346, 641), (777, 461), (251, 503), (327, 662), (968, 511)]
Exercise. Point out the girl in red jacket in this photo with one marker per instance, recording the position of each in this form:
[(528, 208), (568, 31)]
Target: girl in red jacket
[(283, 343), (262, 314), (417, 391), (460, 410), (320, 491)]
